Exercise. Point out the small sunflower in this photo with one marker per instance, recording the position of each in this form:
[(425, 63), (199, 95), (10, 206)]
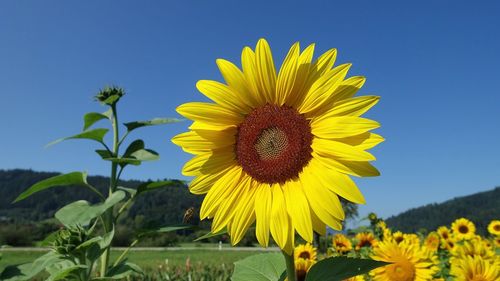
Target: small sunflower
[(432, 241), (398, 237), (463, 229), (444, 232), (408, 262), (496, 241), (365, 239), (494, 227), (341, 243), (278, 149), (475, 269), (302, 266), (305, 251)]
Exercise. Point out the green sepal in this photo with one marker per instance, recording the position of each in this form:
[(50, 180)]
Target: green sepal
[(261, 267), (340, 268), (82, 213)]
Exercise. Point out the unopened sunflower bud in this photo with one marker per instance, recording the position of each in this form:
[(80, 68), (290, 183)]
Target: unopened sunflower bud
[(110, 95)]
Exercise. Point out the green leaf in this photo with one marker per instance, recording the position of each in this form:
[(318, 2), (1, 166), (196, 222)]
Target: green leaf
[(61, 270), (106, 239), (74, 178), (156, 121), (95, 134), (91, 118), (340, 268), (28, 270), (123, 270), (148, 186), (105, 154), (81, 212), (145, 155), (146, 232), (262, 267), (210, 235), (133, 147)]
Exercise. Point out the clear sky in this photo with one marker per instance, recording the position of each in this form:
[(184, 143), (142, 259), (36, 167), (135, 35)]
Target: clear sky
[(435, 65)]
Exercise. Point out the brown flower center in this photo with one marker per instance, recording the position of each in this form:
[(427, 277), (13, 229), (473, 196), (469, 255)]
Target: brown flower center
[(463, 229), (274, 143), (305, 255), (497, 227)]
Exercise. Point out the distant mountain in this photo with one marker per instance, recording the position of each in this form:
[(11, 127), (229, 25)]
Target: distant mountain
[(158, 207), (480, 208)]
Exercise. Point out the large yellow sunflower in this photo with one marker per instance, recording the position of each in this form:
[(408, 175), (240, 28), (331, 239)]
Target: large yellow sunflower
[(278, 148), (475, 268), (463, 229), (409, 262), (494, 227)]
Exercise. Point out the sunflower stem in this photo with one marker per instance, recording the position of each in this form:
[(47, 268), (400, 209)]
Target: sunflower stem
[(290, 266)]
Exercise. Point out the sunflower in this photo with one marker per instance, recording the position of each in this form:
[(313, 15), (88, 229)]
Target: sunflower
[(302, 266), (409, 262), (494, 227), (398, 237), (444, 232), (305, 251), (463, 229), (475, 269), (365, 239), (341, 243), (279, 149), (472, 248), (432, 241)]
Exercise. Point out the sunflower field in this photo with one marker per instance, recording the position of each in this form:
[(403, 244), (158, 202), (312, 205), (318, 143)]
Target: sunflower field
[(453, 252)]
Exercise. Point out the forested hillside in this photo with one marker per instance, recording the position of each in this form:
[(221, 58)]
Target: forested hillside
[(480, 208), (162, 206)]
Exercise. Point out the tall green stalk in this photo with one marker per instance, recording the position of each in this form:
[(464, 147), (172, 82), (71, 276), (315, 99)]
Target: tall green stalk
[(290, 267), (108, 215)]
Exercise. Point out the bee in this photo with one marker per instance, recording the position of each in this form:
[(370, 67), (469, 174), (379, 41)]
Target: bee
[(188, 215)]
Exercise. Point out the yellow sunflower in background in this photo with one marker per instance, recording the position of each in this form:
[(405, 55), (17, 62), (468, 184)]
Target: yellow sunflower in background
[(365, 239), (475, 269), (463, 229), (341, 243), (278, 149), (398, 237), (444, 232), (472, 248), (432, 241), (409, 262), (302, 266), (494, 227), (305, 251)]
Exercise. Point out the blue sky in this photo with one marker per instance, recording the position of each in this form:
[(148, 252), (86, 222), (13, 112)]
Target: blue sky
[(435, 65)]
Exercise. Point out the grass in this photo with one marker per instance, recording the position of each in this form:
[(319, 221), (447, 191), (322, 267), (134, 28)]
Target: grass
[(146, 259)]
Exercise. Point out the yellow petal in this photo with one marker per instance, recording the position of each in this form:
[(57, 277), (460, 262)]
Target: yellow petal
[(210, 127), (287, 74), (298, 91), (222, 95), (355, 168), (363, 141), (348, 88), (341, 126), (208, 163), (236, 80), (331, 148), (352, 106), (244, 216), (322, 64), (325, 203), (298, 209), (265, 70), (318, 225), (209, 113), (323, 88), (336, 182), (202, 184), (279, 217), (290, 242), (219, 191), (227, 208), (251, 75), (263, 204), (202, 141)]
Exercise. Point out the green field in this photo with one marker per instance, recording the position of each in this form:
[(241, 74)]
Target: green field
[(148, 259)]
